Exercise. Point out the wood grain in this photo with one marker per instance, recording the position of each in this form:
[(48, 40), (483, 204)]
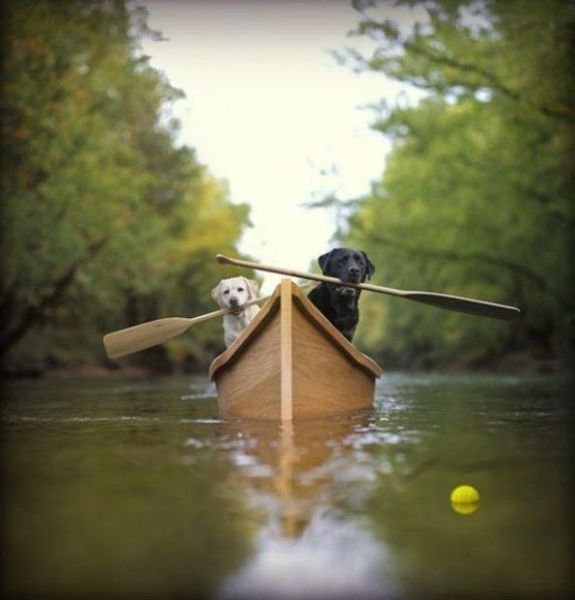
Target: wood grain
[(286, 350)]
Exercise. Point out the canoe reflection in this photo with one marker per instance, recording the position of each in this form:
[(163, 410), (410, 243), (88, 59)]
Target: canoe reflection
[(307, 545)]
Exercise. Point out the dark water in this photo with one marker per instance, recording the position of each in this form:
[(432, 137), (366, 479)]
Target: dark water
[(118, 489)]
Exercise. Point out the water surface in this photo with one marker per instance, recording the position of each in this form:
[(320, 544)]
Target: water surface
[(136, 489)]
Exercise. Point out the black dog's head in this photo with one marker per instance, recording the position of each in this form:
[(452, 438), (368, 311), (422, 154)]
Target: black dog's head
[(337, 303), (347, 264)]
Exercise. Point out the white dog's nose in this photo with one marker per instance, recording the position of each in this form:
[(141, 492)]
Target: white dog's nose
[(233, 302)]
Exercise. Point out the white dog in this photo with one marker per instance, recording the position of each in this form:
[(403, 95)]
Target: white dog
[(234, 293)]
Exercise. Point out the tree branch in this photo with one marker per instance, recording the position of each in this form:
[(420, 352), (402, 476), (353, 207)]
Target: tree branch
[(516, 268), (490, 79), (34, 313)]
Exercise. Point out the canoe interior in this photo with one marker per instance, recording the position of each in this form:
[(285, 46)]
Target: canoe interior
[(291, 363)]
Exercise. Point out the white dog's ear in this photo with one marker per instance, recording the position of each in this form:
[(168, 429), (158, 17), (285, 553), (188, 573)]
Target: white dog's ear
[(216, 293), (253, 288)]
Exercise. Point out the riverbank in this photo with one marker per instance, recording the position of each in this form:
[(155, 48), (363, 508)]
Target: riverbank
[(517, 363)]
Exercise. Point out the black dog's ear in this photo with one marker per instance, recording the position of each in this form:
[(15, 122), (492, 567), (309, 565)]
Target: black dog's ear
[(370, 267), (323, 260)]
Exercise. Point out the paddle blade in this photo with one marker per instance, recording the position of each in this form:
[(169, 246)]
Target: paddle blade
[(139, 337), (480, 308)]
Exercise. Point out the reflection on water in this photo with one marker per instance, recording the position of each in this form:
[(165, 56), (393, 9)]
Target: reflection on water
[(306, 548), (331, 558), (138, 489)]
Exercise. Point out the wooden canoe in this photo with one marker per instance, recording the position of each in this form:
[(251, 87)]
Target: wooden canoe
[(291, 363)]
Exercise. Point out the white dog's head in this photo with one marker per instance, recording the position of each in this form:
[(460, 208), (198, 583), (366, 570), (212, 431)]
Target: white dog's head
[(235, 292)]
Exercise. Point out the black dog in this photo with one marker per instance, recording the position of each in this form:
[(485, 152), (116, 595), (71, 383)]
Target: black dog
[(340, 304)]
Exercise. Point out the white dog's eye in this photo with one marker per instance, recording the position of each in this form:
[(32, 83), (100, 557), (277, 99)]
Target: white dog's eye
[(226, 292), (240, 289)]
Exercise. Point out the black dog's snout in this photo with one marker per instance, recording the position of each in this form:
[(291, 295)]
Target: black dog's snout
[(354, 274)]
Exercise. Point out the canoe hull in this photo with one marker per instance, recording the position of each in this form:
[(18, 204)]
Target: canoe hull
[(291, 363)]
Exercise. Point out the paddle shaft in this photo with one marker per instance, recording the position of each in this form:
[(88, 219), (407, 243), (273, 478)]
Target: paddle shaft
[(471, 306)]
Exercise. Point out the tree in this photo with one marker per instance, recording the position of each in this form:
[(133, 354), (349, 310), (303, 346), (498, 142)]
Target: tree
[(477, 195), (102, 210)]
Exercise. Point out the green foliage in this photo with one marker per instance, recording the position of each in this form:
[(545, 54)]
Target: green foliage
[(105, 220), (477, 195)]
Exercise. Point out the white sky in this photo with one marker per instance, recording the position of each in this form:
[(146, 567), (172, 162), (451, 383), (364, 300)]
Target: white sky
[(268, 109)]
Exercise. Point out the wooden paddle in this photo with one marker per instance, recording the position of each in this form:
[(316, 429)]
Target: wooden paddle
[(470, 306), (152, 333), (139, 337)]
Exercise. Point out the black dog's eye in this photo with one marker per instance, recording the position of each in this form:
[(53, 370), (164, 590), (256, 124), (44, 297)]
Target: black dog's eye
[(358, 257)]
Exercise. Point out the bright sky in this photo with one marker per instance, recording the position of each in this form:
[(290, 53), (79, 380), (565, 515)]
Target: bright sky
[(269, 109)]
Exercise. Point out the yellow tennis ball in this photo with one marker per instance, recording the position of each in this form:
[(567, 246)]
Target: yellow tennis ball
[(464, 494), (464, 499)]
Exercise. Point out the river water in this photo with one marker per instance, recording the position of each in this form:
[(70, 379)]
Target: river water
[(136, 489)]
